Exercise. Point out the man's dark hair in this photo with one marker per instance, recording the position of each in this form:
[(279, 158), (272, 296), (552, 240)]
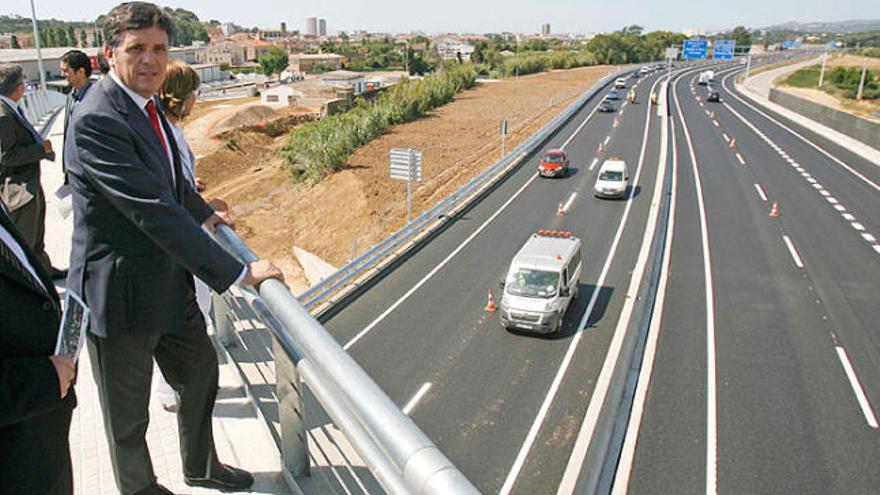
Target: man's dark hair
[(11, 76), (76, 60), (130, 16), (103, 66)]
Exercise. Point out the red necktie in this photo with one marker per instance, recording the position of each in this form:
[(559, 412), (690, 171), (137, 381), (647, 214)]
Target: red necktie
[(154, 119)]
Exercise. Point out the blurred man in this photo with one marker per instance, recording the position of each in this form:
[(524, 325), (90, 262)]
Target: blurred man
[(137, 243), (21, 149), (36, 395), (76, 68)]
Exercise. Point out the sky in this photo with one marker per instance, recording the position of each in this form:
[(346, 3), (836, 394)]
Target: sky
[(483, 16)]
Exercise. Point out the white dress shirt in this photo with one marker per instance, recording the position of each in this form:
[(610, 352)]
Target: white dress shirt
[(6, 238)]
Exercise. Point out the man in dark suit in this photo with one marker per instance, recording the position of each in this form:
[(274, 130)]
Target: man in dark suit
[(76, 68), (21, 149), (36, 397), (137, 243)]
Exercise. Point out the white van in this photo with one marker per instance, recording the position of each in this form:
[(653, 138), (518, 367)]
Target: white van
[(612, 179), (620, 83), (705, 78), (541, 282)]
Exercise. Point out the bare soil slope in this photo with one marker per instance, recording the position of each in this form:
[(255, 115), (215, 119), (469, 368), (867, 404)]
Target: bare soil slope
[(362, 204)]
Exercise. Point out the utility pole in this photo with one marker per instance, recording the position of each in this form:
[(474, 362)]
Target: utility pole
[(37, 43), (748, 65), (822, 72), (517, 57), (862, 80)]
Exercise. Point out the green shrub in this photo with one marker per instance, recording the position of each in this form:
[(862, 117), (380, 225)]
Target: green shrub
[(316, 148)]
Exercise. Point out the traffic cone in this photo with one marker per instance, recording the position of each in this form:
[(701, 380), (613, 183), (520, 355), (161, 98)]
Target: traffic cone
[(774, 210), (616, 123), (732, 142), (560, 211), (601, 148), (490, 304)]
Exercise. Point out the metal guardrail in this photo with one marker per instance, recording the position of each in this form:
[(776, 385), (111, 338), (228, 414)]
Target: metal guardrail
[(336, 286), (401, 457), (40, 104)]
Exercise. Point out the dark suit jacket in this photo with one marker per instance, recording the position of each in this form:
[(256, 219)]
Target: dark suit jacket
[(20, 157), (137, 236), (34, 420)]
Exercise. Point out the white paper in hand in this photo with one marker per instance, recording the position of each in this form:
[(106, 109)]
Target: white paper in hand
[(74, 324)]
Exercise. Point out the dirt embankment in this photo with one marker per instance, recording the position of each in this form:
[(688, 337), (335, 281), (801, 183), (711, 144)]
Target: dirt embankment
[(361, 205)]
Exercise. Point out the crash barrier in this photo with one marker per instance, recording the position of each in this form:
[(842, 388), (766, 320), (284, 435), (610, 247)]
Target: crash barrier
[(851, 125), (40, 105)]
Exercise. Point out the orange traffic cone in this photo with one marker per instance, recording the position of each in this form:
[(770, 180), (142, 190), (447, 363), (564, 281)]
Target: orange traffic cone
[(490, 304), (733, 142), (774, 210), (560, 211)]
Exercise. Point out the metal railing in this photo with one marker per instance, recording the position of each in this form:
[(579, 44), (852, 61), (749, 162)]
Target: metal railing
[(41, 104), (400, 456), (348, 278)]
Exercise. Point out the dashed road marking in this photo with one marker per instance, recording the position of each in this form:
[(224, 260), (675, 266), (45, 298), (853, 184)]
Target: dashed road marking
[(848, 217), (858, 226), (416, 398), (857, 387), (794, 254), (740, 158), (869, 237), (761, 192), (593, 164), (725, 136)]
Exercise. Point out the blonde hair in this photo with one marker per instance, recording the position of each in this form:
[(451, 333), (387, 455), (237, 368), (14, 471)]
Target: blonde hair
[(180, 82)]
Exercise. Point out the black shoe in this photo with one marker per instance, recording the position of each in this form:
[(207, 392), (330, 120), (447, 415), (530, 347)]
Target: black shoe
[(58, 274), (227, 477), (154, 489)]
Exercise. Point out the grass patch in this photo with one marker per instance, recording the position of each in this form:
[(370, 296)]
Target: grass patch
[(808, 77)]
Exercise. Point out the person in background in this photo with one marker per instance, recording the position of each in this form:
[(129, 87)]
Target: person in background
[(36, 391), (76, 68), (21, 149), (178, 96), (137, 242)]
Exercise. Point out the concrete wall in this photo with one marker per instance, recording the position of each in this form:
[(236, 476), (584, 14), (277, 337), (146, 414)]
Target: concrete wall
[(858, 128)]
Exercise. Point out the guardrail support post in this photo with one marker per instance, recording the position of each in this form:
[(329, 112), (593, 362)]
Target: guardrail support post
[(294, 442), (223, 327)]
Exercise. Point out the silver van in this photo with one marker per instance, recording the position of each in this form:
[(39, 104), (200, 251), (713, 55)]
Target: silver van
[(541, 282)]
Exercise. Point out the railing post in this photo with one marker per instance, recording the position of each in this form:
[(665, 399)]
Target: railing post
[(223, 327), (294, 442)]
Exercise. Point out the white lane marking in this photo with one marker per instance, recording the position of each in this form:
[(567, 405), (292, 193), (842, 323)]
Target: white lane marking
[(858, 226), (840, 207), (824, 192), (848, 216), (715, 122), (856, 387), (761, 192), (569, 202), (832, 200), (793, 252), (740, 158), (569, 353), (576, 131), (437, 268), (416, 398), (607, 138), (816, 185), (593, 164), (795, 133), (876, 247), (627, 454), (869, 237), (726, 137)]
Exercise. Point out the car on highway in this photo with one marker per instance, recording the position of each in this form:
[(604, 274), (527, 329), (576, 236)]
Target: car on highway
[(543, 279), (644, 70), (553, 164), (607, 106), (713, 96), (612, 179), (620, 82), (613, 95)]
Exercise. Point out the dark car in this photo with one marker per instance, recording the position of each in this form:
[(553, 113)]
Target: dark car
[(554, 164), (713, 96), (612, 95), (607, 106)]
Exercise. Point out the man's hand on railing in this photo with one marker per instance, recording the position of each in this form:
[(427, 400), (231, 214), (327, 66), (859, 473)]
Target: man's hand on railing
[(260, 270), (219, 217), (47, 146)]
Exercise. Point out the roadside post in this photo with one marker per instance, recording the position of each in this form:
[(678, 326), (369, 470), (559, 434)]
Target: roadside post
[(406, 164), (822, 72), (503, 135), (862, 80)]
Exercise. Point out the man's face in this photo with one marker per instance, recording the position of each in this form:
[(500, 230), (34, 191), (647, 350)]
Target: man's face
[(140, 59), (77, 78)]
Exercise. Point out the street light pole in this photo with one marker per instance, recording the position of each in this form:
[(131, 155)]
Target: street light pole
[(37, 44), (517, 57), (822, 72), (862, 80)]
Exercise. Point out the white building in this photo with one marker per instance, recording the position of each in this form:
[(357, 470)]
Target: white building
[(227, 28), (545, 29), (450, 48), (345, 78), (280, 96), (312, 26)]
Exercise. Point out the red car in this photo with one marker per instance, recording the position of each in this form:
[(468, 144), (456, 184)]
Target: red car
[(554, 164)]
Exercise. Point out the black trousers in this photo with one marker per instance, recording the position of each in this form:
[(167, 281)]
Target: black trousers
[(123, 369), (30, 221)]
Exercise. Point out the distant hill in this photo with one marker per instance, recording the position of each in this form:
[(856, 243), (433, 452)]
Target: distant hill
[(851, 26)]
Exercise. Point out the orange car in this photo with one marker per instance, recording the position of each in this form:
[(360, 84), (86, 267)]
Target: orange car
[(554, 164)]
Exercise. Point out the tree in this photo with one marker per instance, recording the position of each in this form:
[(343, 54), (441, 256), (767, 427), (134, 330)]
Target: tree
[(44, 38), (61, 36), (51, 37), (83, 39), (71, 35), (13, 42), (743, 38), (274, 61)]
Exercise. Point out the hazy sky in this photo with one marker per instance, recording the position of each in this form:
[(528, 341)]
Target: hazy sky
[(481, 16)]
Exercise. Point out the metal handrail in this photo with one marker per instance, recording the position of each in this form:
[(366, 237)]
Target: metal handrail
[(401, 456), (40, 104), (327, 287)]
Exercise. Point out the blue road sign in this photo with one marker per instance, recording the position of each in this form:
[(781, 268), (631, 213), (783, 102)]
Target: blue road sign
[(787, 45), (723, 49), (695, 48)]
